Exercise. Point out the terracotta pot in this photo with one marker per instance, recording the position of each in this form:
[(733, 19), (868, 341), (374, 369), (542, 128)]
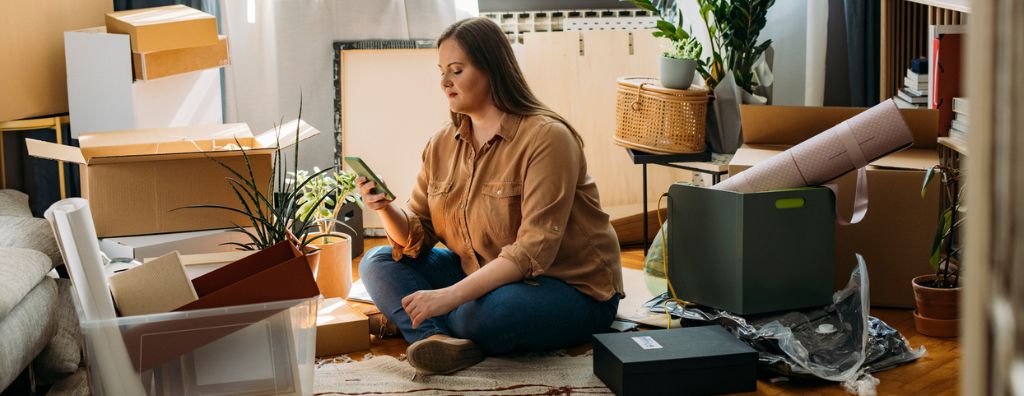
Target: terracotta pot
[(938, 309), (333, 265), (936, 327)]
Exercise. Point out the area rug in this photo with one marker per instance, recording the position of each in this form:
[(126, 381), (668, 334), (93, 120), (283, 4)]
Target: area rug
[(520, 375)]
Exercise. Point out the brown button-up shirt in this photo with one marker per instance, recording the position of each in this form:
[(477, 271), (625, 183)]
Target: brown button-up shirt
[(525, 196)]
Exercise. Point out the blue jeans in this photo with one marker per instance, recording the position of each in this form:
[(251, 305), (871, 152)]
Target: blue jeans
[(512, 318)]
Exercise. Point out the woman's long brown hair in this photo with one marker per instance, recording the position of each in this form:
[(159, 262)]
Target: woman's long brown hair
[(489, 50)]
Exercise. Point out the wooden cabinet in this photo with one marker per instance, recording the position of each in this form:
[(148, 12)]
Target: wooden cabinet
[(575, 74)]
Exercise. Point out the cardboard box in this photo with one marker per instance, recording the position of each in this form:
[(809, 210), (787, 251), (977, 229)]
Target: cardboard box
[(185, 243), (340, 328), (164, 28), (102, 95), (157, 286), (154, 65), (752, 253), (691, 360), (134, 180), (895, 237), (34, 79)]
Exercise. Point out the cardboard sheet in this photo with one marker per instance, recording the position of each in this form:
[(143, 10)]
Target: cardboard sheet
[(157, 286), (34, 72)]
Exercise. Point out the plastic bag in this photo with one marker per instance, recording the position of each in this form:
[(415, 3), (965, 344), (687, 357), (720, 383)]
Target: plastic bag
[(839, 342)]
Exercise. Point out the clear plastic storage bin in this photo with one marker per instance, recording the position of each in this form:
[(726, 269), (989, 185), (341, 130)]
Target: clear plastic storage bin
[(257, 349)]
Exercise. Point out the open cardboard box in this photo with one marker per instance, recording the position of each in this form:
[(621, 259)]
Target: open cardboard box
[(135, 179), (895, 237)]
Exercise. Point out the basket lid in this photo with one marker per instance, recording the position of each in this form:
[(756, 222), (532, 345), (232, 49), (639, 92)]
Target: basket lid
[(654, 84)]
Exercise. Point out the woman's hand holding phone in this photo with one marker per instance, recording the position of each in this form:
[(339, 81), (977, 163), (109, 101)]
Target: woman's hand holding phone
[(371, 200)]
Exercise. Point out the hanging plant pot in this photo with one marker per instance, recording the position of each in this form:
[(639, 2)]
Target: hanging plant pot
[(677, 73), (938, 309)]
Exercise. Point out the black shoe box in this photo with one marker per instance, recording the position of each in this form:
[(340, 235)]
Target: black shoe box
[(683, 361)]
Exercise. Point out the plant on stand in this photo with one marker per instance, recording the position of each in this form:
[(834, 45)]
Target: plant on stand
[(682, 58), (322, 197), (937, 295)]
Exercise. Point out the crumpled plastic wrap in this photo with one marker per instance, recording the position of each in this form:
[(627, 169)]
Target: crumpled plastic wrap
[(839, 342)]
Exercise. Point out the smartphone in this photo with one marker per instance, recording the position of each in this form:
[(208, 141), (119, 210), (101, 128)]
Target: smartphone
[(361, 169)]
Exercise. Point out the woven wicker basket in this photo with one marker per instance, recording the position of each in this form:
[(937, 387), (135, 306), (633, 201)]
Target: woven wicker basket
[(655, 119)]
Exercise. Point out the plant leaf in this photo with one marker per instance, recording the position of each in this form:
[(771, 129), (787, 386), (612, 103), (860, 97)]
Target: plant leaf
[(928, 175)]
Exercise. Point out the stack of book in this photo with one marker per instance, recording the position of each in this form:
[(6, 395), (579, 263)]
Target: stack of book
[(958, 129), (914, 93)]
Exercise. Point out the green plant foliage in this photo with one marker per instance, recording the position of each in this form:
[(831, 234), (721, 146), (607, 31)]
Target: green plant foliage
[(944, 251), (685, 49), (745, 20), (272, 215), (734, 27), (323, 196), (684, 45)]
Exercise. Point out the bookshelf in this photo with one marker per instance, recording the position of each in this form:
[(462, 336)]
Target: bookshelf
[(904, 35)]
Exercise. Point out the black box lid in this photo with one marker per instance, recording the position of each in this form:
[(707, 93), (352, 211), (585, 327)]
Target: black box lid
[(677, 349)]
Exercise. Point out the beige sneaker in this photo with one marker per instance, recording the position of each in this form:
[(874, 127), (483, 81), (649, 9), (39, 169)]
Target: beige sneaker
[(441, 354)]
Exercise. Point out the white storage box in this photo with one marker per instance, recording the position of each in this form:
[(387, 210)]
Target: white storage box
[(192, 242), (262, 349)]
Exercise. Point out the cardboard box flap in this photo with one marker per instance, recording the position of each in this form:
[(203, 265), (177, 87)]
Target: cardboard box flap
[(159, 15), (186, 140), (791, 125), (913, 159), (916, 159), (54, 151), (94, 29), (284, 136)]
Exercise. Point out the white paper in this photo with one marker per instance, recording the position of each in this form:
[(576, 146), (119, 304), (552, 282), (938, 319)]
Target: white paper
[(647, 342), (76, 237), (358, 293)]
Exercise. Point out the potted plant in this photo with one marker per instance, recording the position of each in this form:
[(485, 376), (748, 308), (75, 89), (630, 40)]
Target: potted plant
[(271, 211), (319, 203), (682, 58), (937, 295)]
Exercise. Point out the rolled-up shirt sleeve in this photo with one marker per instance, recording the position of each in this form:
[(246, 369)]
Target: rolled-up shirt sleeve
[(417, 213), (549, 189)]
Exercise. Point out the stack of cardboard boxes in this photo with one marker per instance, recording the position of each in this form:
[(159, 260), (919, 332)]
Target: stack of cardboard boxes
[(149, 68), (141, 175)]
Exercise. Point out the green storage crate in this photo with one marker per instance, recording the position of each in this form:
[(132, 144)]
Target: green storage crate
[(752, 253)]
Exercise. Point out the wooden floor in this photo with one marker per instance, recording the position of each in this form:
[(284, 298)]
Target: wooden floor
[(938, 373)]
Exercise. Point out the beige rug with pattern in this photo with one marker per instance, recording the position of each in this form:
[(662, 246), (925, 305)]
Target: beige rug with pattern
[(520, 375)]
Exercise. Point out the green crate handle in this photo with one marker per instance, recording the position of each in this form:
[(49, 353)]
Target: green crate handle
[(789, 203)]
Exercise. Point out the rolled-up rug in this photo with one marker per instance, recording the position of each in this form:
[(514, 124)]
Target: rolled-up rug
[(850, 145)]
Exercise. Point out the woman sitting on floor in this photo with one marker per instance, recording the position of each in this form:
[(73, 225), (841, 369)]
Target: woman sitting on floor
[(532, 262)]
